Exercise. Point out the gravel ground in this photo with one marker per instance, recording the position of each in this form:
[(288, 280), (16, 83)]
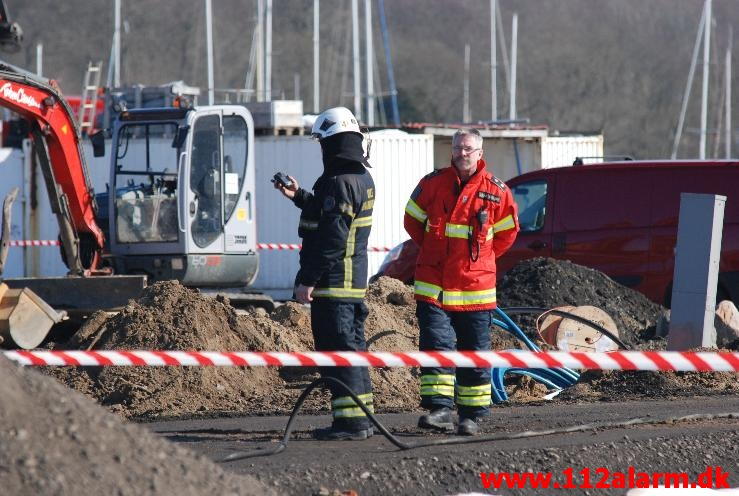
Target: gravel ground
[(375, 467)]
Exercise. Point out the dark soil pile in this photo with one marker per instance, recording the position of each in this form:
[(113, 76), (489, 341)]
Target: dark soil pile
[(170, 316), (612, 385), (56, 441), (549, 283)]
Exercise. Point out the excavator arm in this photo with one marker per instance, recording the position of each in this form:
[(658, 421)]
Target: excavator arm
[(57, 144)]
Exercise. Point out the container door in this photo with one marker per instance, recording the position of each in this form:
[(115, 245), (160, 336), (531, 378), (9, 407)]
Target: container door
[(204, 194), (238, 183)]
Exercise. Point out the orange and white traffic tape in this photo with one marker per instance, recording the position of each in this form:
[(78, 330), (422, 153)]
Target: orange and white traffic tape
[(617, 360)]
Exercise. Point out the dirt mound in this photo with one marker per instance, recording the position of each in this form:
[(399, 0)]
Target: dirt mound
[(170, 316), (549, 283), (611, 385), (56, 441)]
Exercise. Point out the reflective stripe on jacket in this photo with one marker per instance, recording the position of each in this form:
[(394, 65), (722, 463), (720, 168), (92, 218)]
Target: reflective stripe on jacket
[(335, 224), (461, 230)]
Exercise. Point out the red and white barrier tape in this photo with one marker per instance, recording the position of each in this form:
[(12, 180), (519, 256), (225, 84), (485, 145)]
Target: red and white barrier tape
[(35, 242), (623, 360), (260, 246)]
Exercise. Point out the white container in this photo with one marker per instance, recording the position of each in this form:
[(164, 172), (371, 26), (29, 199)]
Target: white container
[(399, 161), (277, 114)]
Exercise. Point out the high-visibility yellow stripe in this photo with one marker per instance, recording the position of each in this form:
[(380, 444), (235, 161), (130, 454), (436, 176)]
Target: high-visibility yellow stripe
[(474, 390), (412, 209), (474, 395), (457, 231), (473, 401), (347, 209), (426, 289), (445, 379), (350, 412), (362, 221), (437, 390), (368, 205), (460, 298), (339, 292), (504, 224), (343, 401)]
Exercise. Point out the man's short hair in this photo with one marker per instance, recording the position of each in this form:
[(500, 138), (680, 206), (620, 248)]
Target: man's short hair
[(468, 131)]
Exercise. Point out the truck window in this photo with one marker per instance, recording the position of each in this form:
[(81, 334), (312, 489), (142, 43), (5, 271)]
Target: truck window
[(531, 199)]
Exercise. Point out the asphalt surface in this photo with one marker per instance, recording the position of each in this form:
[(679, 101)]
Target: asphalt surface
[(376, 466)]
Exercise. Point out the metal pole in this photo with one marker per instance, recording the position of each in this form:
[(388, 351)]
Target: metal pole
[(268, 53), (355, 56), (389, 63), (117, 46), (260, 50), (316, 57), (704, 96), (39, 59), (369, 53), (493, 65), (466, 91), (688, 85), (503, 49), (209, 39), (514, 49), (729, 135)]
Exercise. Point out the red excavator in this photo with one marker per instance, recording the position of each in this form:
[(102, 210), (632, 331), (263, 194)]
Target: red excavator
[(179, 205)]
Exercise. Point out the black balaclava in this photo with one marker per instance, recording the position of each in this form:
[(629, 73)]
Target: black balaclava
[(343, 149)]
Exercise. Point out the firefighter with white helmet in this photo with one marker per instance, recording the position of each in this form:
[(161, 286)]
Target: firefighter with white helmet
[(335, 224)]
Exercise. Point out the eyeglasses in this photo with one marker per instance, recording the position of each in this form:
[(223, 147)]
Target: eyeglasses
[(467, 149)]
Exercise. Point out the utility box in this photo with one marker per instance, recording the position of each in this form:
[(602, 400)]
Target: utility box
[(277, 114), (697, 257)]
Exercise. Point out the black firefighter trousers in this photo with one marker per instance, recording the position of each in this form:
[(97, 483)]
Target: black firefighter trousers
[(339, 326)]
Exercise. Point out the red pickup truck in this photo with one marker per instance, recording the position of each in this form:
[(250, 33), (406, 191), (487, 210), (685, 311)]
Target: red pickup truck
[(619, 218)]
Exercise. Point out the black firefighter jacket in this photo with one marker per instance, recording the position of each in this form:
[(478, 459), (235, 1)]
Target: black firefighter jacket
[(335, 225)]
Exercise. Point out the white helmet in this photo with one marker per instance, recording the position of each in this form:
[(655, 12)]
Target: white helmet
[(334, 121)]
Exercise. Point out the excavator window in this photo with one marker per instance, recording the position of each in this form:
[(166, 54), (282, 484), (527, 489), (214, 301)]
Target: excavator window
[(146, 184), (206, 180), (235, 151)]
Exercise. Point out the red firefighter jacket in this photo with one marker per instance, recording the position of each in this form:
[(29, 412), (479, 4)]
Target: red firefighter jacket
[(461, 229)]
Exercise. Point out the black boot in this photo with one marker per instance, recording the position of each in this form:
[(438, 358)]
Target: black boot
[(439, 419), (334, 433), (468, 427)]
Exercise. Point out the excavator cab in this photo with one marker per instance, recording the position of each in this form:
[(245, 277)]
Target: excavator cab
[(181, 198)]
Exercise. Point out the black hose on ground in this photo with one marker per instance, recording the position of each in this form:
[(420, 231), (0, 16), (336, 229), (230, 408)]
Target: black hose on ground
[(282, 445)]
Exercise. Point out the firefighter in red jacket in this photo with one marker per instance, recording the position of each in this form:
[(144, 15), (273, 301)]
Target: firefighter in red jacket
[(462, 218)]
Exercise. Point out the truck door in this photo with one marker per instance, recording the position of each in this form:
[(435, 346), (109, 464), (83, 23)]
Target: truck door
[(534, 200), (204, 194), (238, 183)]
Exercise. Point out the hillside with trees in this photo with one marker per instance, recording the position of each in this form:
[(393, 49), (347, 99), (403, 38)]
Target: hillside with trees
[(619, 66)]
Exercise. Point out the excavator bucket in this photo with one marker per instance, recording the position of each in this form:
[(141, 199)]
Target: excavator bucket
[(25, 319)]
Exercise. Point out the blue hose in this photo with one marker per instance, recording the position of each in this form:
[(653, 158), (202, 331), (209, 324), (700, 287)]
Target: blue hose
[(552, 378)]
